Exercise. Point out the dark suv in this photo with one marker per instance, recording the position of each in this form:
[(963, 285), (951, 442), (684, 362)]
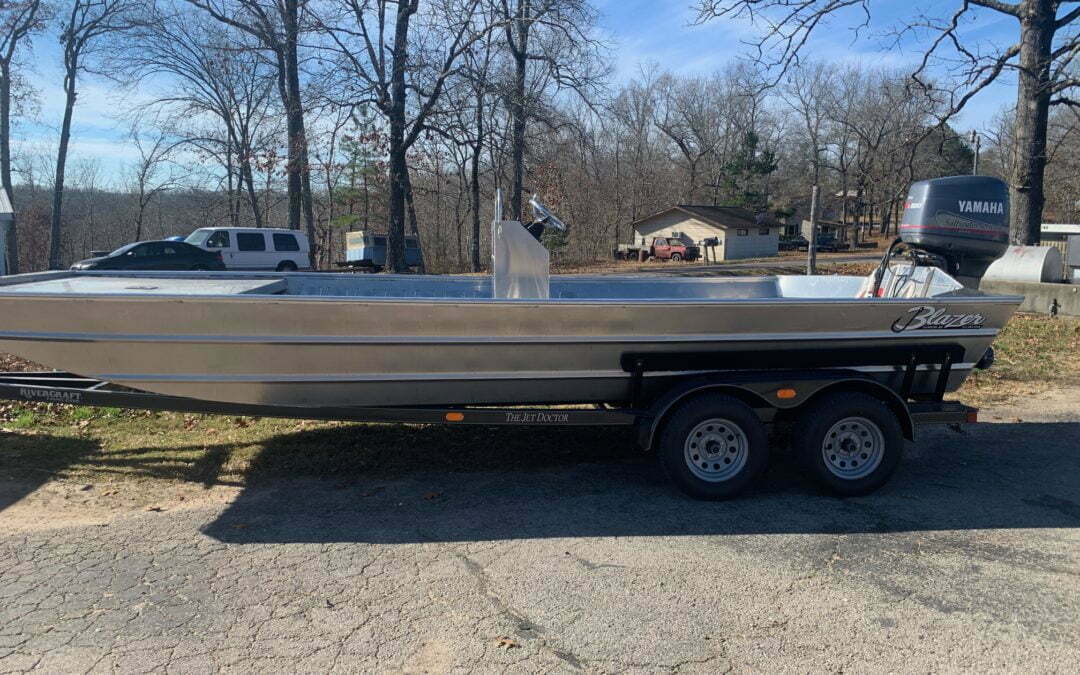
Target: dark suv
[(796, 243)]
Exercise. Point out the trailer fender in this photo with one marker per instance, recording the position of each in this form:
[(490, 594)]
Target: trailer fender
[(878, 391), (649, 423), (760, 395)]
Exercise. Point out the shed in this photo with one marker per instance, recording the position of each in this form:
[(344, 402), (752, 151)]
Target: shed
[(825, 228), (740, 232), (7, 216)]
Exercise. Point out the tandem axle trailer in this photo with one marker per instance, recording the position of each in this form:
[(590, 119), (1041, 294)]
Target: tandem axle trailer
[(709, 428)]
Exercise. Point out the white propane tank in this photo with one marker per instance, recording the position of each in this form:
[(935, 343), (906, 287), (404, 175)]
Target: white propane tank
[(1026, 263)]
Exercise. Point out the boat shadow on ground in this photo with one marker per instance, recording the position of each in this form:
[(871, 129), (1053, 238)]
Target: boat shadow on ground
[(28, 462), (459, 485)]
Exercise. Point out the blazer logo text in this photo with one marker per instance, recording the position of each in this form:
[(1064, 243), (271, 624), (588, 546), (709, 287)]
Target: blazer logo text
[(929, 317)]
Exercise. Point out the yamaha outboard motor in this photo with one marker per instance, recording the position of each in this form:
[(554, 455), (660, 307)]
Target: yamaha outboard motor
[(960, 222)]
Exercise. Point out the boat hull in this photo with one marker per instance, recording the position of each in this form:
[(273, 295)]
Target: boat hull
[(316, 351)]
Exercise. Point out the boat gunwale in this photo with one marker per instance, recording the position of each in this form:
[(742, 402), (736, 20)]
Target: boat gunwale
[(547, 302), (402, 340), (977, 297)]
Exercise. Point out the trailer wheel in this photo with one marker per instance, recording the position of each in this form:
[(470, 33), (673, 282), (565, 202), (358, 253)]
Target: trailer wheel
[(850, 443), (713, 446)]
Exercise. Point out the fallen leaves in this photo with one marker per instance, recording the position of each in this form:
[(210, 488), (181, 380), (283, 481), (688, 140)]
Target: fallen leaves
[(506, 643)]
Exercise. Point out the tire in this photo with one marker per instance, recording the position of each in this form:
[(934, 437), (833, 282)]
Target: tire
[(738, 447), (286, 266), (850, 443), (676, 257)]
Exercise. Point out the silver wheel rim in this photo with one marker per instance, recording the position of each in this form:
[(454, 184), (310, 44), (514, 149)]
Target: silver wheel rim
[(853, 448), (716, 450)]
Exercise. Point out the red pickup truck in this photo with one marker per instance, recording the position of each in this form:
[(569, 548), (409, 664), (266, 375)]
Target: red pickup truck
[(662, 248)]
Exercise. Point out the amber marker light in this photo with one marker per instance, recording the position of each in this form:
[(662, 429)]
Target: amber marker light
[(454, 416), (785, 393)]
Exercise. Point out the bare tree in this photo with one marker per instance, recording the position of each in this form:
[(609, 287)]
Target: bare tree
[(555, 35), (691, 117), (479, 66), (84, 31), (402, 76), (146, 181), (277, 26), (214, 73), (1042, 58), (19, 20), (807, 90)]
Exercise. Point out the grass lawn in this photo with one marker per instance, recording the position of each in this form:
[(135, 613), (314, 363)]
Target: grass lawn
[(41, 442), (1033, 352)]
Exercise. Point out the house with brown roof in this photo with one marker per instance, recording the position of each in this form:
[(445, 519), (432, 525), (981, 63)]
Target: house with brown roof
[(740, 233)]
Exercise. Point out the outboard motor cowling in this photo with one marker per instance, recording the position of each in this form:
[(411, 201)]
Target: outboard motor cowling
[(963, 220)]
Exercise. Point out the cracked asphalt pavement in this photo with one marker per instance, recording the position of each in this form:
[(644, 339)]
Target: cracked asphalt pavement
[(968, 560)]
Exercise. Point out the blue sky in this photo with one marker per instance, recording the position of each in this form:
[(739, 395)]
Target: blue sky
[(642, 32), (662, 32)]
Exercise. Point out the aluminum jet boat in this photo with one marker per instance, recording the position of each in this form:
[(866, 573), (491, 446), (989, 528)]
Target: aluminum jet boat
[(515, 337)]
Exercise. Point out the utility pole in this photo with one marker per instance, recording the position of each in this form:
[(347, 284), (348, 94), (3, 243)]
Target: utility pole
[(811, 249), (975, 161)]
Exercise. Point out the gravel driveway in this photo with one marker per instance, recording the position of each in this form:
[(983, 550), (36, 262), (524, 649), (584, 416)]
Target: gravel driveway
[(969, 559)]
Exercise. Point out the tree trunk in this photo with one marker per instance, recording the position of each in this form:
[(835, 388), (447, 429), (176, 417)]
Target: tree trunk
[(5, 163), (299, 176), (438, 205), (248, 179), (517, 114), (141, 213), (1032, 110), (230, 190), (61, 163), (474, 189), (395, 240), (474, 179), (411, 208), (293, 186)]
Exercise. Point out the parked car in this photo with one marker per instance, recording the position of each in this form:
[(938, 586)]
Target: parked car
[(252, 248), (368, 250), (154, 255), (661, 248), (829, 244), (826, 243), (670, 248), (796, 243)]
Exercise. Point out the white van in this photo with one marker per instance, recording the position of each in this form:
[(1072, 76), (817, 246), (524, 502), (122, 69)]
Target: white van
[(252, 248)]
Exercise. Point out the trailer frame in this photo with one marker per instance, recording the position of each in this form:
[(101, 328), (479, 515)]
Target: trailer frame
[(759, 388)]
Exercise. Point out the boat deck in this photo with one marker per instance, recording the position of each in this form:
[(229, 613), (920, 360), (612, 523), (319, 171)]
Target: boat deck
[(112, 285), (349, 286)]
